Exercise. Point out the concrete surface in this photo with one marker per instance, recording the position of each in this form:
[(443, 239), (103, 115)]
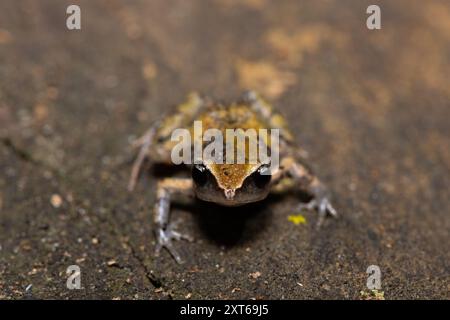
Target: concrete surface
[(371, 107)]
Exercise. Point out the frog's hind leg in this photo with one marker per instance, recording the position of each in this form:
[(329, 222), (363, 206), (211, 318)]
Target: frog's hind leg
[(144, 143), (274, 120), (153, 144), (306, 181)]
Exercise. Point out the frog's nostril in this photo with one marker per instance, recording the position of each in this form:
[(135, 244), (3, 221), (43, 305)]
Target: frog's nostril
[(229, 194)]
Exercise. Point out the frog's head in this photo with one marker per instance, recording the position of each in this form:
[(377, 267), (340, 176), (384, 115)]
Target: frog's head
[(231, 184)]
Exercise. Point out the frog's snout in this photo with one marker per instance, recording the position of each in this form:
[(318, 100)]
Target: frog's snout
[(229, 193)]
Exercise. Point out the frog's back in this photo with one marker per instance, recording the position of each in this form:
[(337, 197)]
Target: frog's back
[(234, 116), (212, 115), (241, 115)]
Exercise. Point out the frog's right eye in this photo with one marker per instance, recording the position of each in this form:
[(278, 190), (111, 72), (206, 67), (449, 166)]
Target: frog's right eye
[(262, 176), (199, 174)]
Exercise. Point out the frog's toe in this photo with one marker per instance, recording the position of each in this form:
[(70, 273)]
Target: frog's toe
[(330, 209), (178, 235), (182, 236), (311, 205), (323, 207), (165, 239)]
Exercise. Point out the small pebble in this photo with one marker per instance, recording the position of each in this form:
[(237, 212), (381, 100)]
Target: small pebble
[(80, 260), (56, 200), (111, 262)]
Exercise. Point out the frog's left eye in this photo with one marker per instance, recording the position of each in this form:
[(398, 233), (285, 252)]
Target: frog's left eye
[(199, 174), (262, 177)]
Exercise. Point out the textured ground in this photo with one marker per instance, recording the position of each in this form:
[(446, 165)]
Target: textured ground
[(371, 107)]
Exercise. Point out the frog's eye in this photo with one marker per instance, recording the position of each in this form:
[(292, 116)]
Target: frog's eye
[(262, 177), (199, 174)]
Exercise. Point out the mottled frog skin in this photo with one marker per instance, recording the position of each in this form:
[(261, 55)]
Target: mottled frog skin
[(222, 183)]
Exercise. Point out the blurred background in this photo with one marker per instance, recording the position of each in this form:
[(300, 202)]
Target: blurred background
[(371, 107)]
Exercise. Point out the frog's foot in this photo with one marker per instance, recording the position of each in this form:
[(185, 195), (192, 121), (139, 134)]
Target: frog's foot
[(323, 207), (164, 239)]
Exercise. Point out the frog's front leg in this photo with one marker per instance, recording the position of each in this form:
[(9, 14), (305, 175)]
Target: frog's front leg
[(306, 181), (164, 230)]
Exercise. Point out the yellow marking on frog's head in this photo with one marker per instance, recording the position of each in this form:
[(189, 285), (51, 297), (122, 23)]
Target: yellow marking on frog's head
[(231, 176)]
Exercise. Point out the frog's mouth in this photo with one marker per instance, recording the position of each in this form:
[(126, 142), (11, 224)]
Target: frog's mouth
[(232, 198)]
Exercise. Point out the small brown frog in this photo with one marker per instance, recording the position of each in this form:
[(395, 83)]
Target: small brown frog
[(224, 183)]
